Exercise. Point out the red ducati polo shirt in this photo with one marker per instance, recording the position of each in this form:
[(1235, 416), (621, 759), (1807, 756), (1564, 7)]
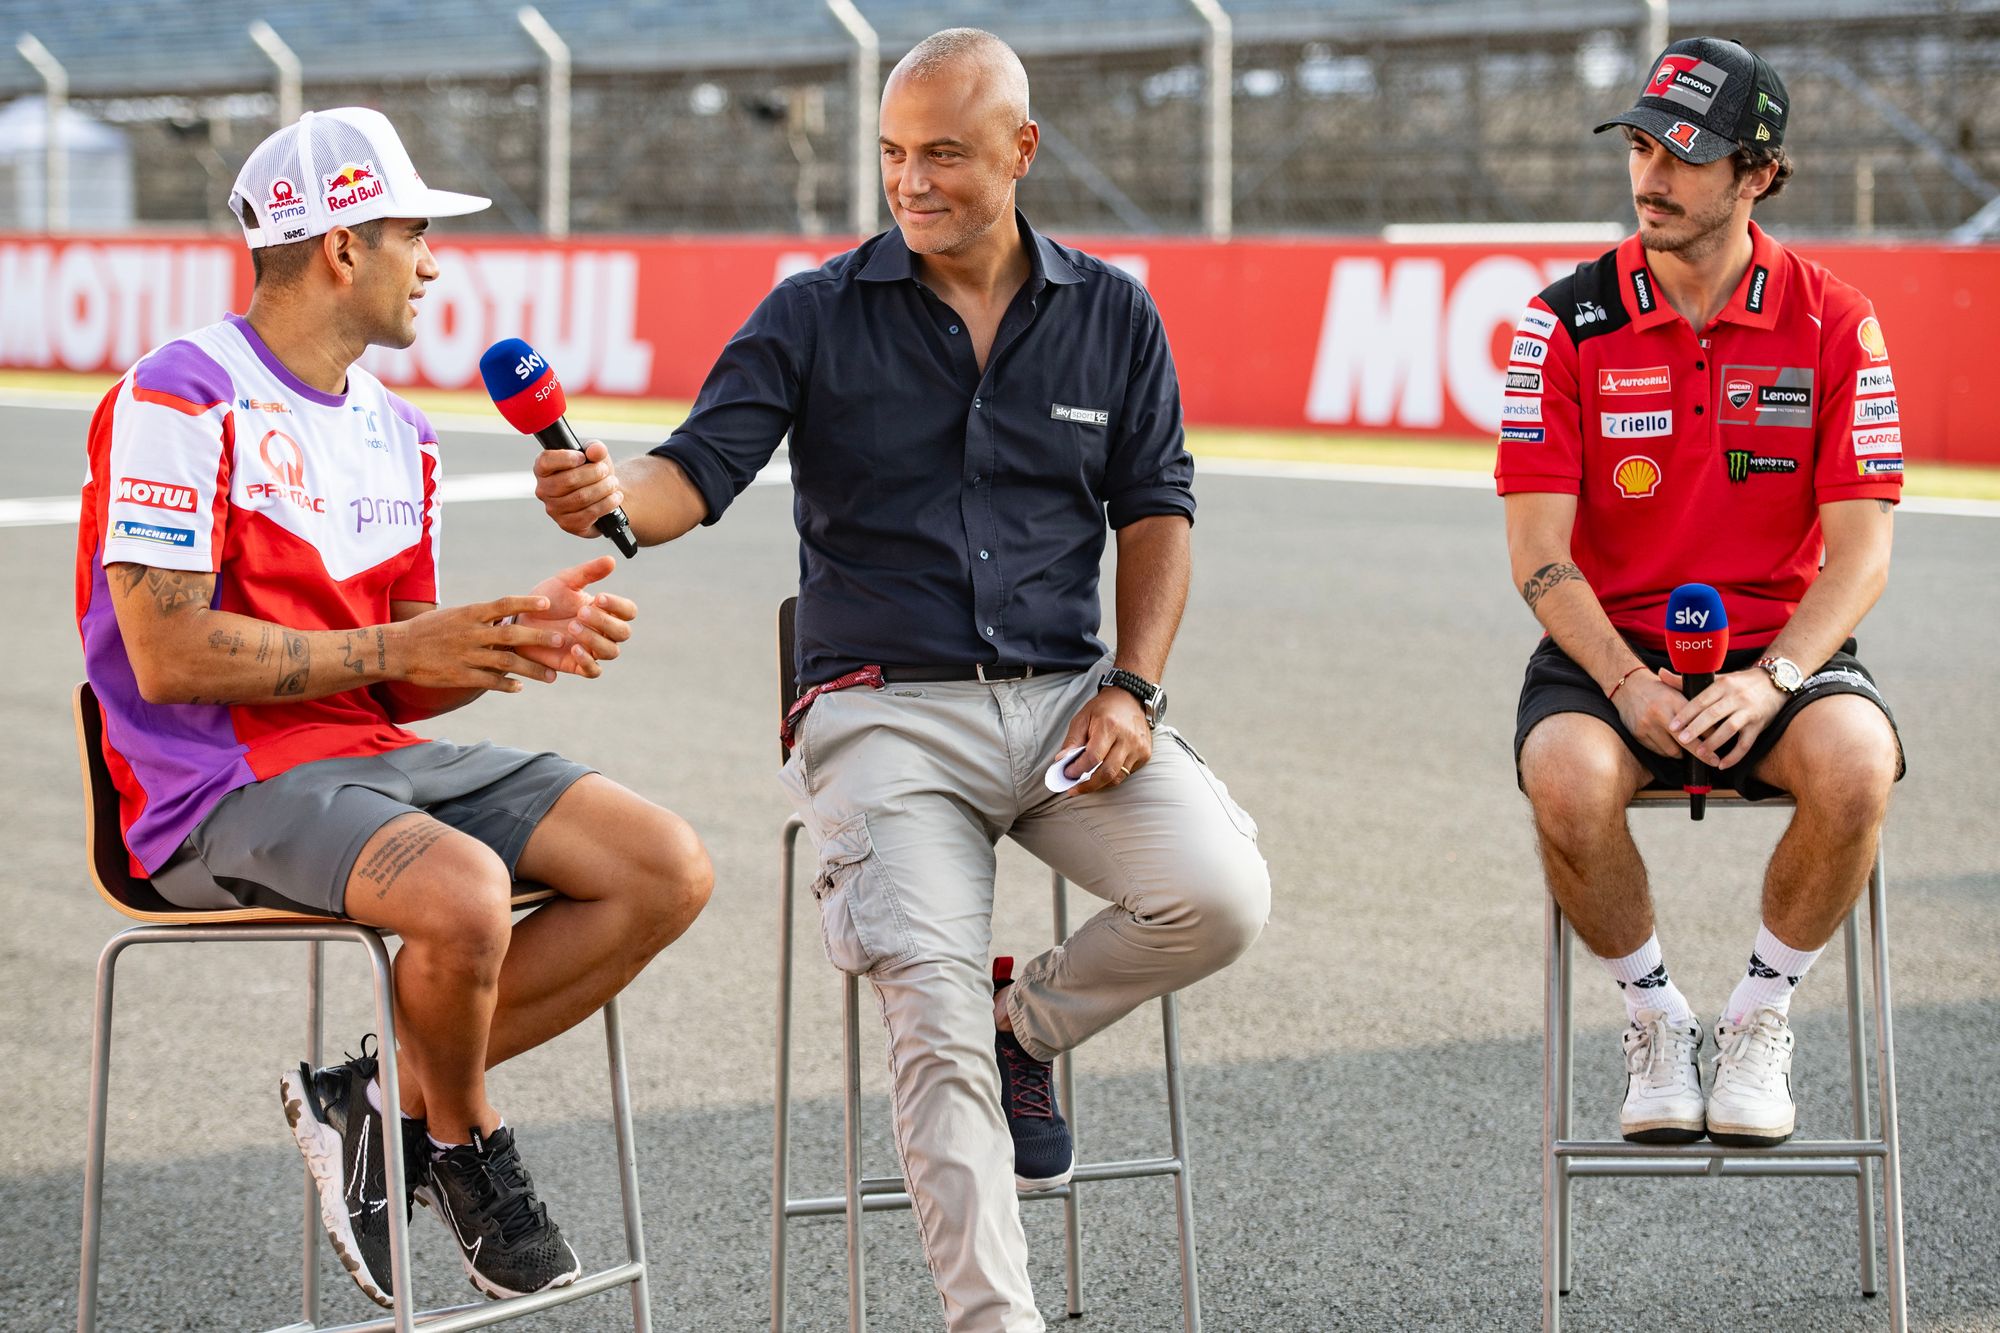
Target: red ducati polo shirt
[(1700, 459)]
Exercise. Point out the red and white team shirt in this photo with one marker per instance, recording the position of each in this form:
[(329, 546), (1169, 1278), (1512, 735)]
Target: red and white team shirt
[(1700, 458), (314, 511)]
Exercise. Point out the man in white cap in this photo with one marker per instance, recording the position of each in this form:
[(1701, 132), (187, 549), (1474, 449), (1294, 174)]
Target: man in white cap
[(257, 596)]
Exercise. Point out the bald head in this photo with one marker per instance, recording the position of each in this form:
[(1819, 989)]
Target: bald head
[(975, 59)]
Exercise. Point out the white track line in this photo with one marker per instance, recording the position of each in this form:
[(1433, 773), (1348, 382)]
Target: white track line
[(61, 509)]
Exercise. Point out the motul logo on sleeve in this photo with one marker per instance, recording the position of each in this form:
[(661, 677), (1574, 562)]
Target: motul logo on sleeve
[(158, 495)]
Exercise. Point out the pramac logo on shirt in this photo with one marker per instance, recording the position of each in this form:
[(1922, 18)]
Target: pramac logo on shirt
[(287, 462)]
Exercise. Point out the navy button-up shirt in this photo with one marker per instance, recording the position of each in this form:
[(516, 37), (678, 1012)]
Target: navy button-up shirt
[(947, 517)]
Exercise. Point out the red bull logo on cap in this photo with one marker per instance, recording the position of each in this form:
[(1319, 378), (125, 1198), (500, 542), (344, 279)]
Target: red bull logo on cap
[(284, 205), (351, 185)]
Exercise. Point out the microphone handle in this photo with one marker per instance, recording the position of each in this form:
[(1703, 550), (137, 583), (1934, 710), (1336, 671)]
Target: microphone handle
[(558, 435), (1699, 779)]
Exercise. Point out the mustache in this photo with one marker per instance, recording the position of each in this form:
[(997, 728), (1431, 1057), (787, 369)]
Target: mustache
[(1654, 201)]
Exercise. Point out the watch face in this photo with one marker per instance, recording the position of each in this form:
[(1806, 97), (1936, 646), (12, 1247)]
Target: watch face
[(1158, 709), (1787, 674)]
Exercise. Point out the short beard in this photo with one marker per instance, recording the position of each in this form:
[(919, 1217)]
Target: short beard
[(1706, 235)]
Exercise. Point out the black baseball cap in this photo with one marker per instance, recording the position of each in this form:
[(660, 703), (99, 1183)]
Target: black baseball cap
[(1704, 96)]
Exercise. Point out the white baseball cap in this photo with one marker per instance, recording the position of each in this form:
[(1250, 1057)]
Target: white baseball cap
[(335, 169)]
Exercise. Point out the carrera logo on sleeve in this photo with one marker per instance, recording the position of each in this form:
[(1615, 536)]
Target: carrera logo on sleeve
[(1634, 425), (1874, 380), (1083, 416), (1528, 349), (1653, 379), (150, 532), (1875, 411), (1888, 440), (138, 491), (1523, 381)]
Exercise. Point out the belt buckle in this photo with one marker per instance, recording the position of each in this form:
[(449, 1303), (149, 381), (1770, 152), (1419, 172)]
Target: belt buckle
[(979, 669)]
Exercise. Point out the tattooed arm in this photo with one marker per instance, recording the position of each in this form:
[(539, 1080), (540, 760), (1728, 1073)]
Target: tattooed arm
[(1538, 531), (183, 650), (404, 702)]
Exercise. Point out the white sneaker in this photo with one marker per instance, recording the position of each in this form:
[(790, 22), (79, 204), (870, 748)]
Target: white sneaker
[(1662, 1081), (1750, 1097)]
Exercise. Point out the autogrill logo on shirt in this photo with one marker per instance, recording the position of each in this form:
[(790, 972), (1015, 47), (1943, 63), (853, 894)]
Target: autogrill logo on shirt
[(1083, 416), (1653, 379)]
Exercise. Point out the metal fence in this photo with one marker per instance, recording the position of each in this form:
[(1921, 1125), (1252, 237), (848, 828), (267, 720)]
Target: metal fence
[(1342, 117)]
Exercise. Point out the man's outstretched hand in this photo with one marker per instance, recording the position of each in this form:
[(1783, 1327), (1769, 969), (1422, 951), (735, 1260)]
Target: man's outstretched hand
[(592, 624)]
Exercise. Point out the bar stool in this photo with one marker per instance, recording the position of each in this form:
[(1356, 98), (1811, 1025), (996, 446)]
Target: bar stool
[(1564, 1159), (165, 923), (867, 1194)]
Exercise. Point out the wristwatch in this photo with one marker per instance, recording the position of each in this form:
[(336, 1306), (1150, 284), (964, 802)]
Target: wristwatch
[(1151, 697), (1784, 673)]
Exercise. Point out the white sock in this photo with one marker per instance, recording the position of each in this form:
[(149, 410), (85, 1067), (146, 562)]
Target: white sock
[(1642, 979), (375, 1100), (439, 1147), (1773, 974)]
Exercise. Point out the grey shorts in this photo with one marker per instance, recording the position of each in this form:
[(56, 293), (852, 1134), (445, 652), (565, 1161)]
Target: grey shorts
[(290, 842)]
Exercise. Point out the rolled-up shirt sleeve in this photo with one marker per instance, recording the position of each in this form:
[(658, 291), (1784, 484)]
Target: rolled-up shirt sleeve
[(748, 401), (1149, 470)]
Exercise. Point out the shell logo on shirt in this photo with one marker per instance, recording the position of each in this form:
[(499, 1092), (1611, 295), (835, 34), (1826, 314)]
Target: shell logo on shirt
[(1870, 335), (1637, 476)]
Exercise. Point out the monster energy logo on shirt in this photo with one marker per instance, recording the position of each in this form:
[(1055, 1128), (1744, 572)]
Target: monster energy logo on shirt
[(1742, 462)]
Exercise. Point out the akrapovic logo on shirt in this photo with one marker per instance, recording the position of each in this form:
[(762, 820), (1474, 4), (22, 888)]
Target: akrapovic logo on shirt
[(159, 495), (1083, 416), (1635, 425), (1523, 381)]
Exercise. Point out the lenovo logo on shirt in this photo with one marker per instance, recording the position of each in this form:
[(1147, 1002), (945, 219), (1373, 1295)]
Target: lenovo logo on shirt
[(138, 491), (1083, 416), (1653, 379)]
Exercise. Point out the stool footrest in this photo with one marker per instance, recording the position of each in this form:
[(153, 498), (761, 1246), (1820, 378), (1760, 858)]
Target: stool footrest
[(887, 1193), (1797, 1148), (449, 1319), (1846, 1170)]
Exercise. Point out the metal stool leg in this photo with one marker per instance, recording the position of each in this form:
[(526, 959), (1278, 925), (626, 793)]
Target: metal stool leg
[(1554, 1095), (1170, 1032), (1566, 1053), (1885, 1061), (628, 1163), (781, 1154), (315, 1043), (1857, 1068), (850, 1027), (1066, 1085), (395, 1181), (93, 1160)]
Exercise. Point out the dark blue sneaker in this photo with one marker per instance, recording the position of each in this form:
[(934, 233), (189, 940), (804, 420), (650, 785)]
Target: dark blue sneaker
[(1044, 1153)]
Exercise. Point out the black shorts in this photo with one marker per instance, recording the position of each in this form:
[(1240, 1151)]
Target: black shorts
[(1556, 684)]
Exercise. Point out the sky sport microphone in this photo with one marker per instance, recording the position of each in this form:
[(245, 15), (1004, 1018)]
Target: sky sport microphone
[(1697, 640), (525, 389)]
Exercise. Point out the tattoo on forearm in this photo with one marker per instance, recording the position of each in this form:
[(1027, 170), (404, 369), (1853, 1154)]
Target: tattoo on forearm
[(297, 664), (354, 652), (381, 650), (398, 853), (175, 590), (1547, 577), (226, 638), (264, 645)]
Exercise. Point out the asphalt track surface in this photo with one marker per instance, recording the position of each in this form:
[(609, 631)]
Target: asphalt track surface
[(1363, 1086)]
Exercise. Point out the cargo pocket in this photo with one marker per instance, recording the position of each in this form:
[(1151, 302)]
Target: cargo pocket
[(860, 918), (1238, 816)]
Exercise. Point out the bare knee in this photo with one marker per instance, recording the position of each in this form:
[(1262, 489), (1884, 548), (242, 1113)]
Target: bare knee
[(673, 879), (465, 924), (1578, 778), (1839, 763)]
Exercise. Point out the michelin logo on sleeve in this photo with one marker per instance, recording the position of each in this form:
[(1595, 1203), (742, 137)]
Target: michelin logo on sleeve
[(151, 532), (1523, 434)]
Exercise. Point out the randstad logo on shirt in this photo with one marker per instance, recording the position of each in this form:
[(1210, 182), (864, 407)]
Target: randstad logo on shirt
[(150, 532), (1083, 416)]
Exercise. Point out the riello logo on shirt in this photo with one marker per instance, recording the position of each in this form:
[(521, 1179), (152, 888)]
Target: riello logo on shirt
[(287, 462)]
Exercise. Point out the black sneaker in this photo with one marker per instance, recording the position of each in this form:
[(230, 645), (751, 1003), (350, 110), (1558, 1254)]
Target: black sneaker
[(341, 1137), (1044, 1153), (505, 1239)]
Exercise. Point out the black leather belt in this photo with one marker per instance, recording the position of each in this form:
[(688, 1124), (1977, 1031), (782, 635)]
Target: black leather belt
[(984, 671)]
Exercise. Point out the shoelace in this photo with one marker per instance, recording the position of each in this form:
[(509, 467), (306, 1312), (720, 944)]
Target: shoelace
[(1751, 1054), (1664, 1053), (1032, 1096), (501, 1177)]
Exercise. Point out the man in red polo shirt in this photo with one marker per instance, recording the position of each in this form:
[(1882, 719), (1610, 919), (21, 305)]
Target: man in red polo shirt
[(1701, 405)]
